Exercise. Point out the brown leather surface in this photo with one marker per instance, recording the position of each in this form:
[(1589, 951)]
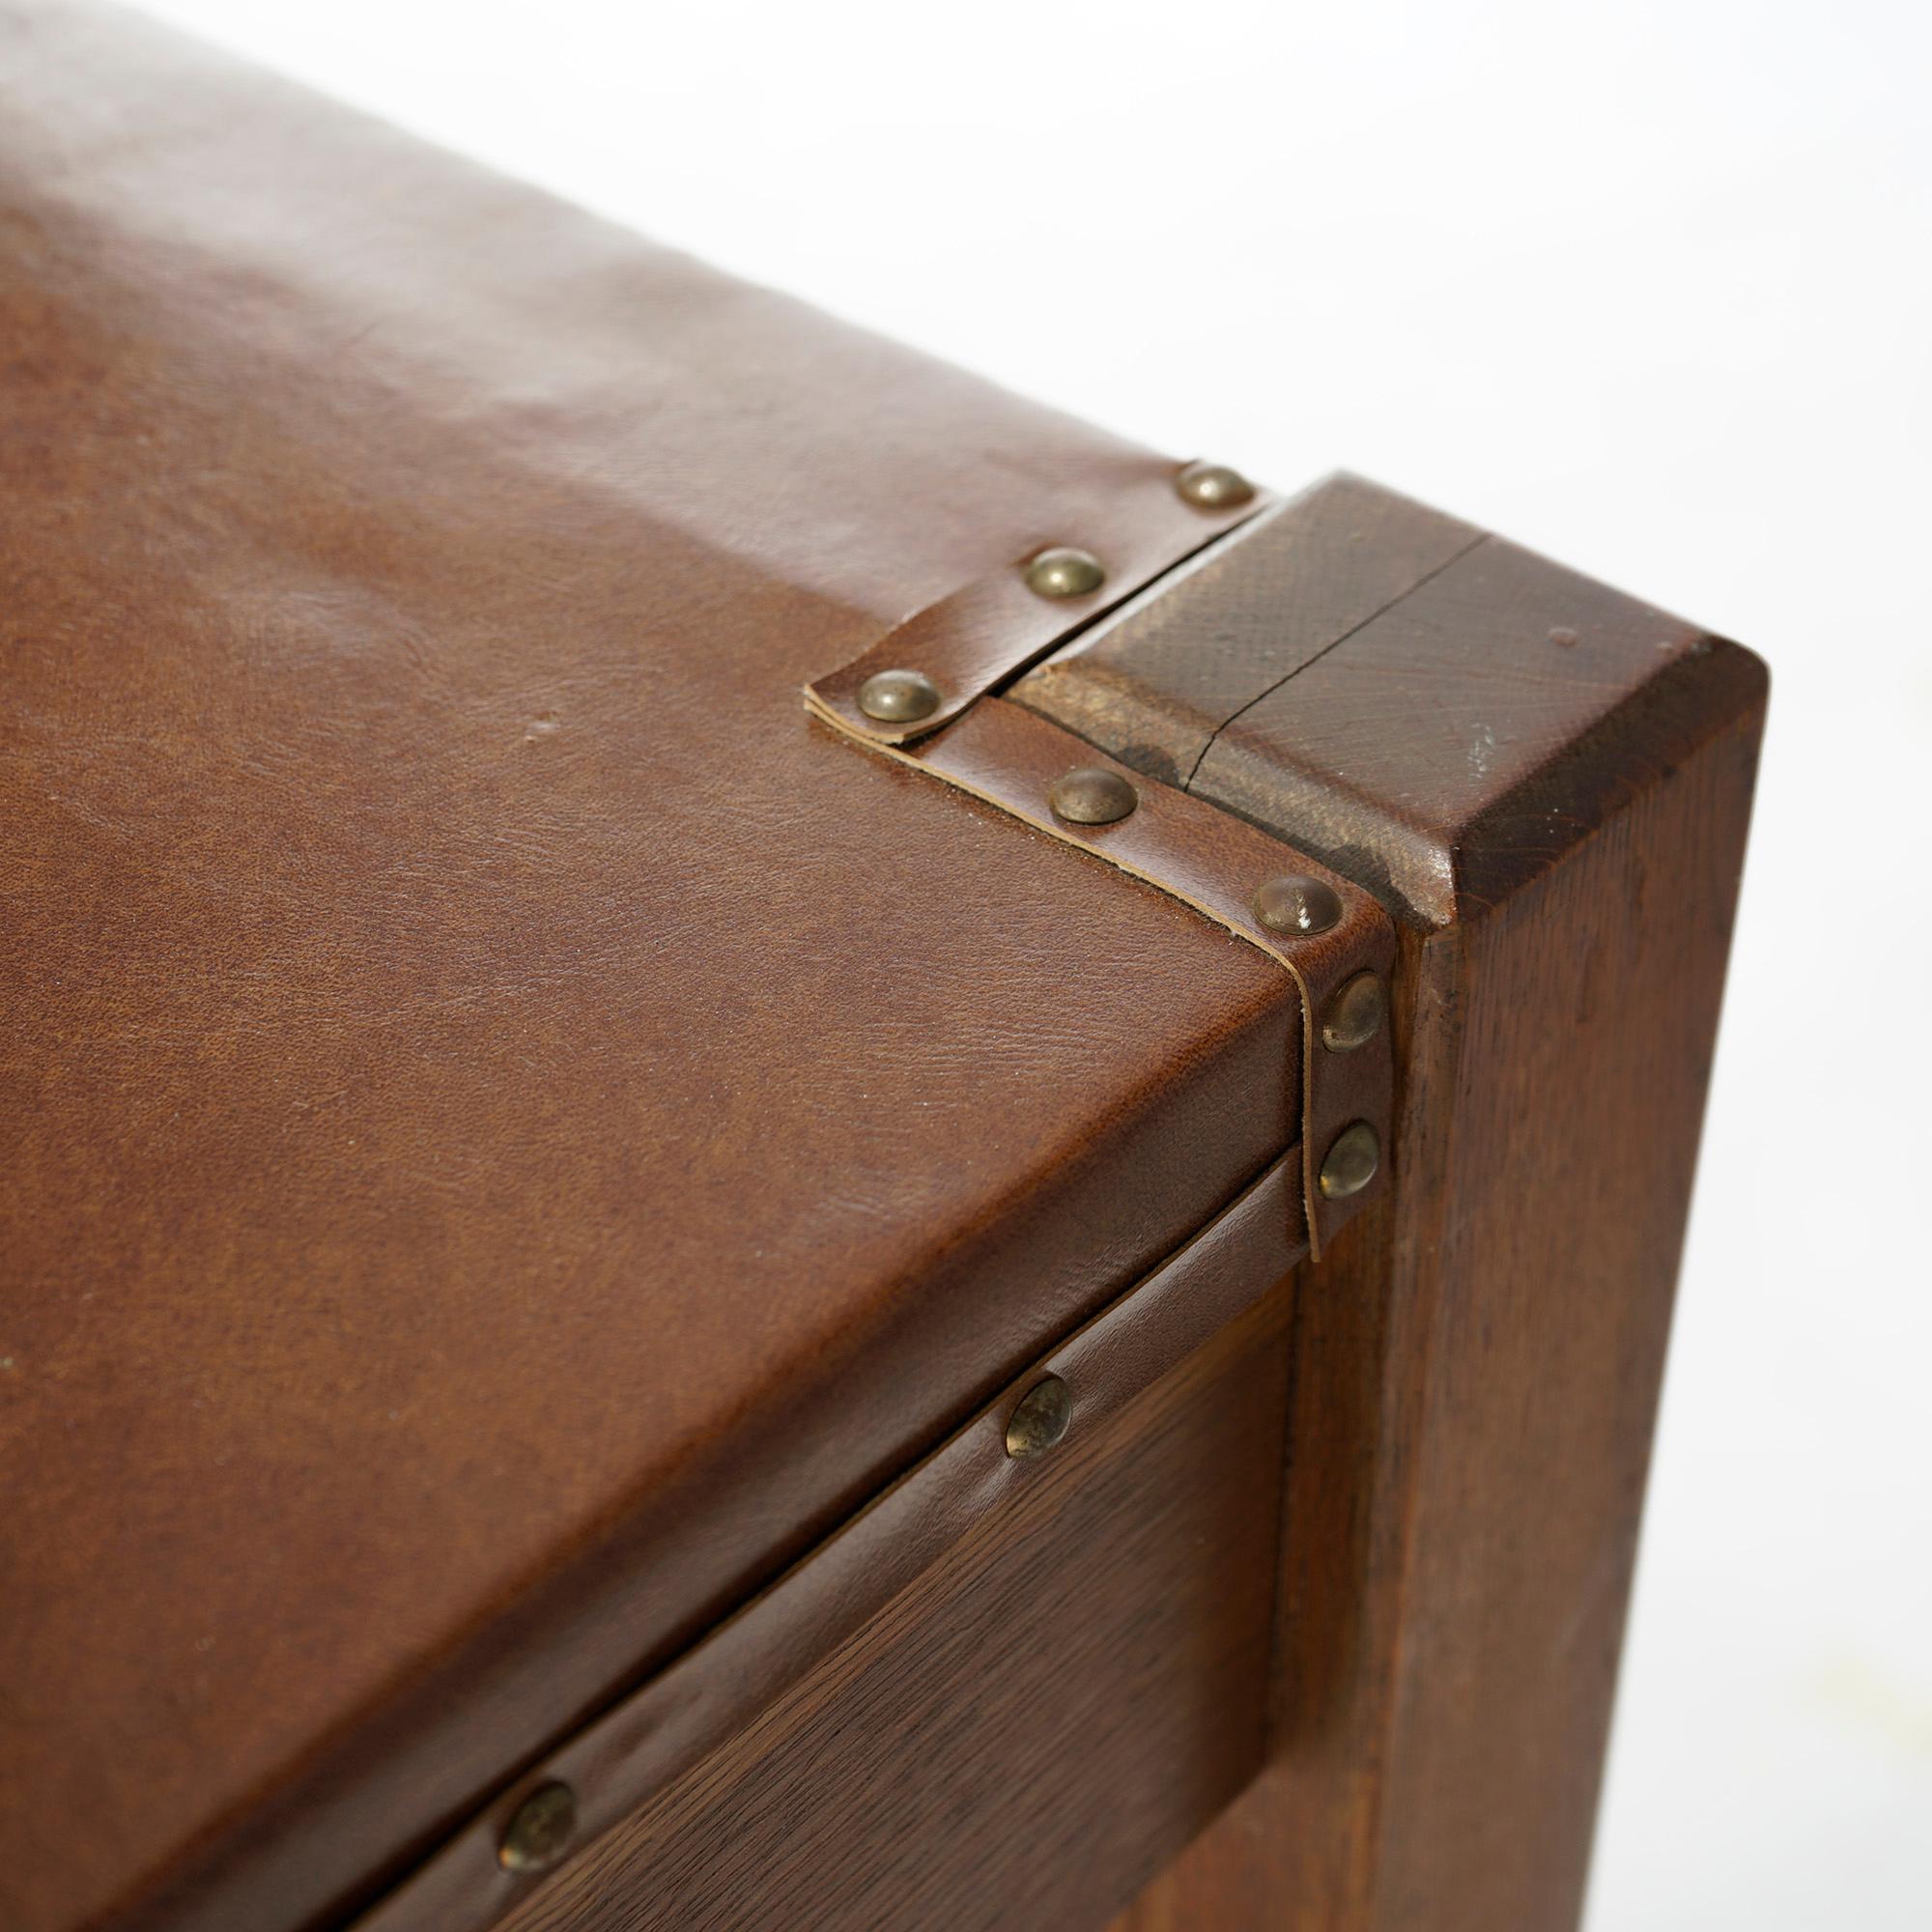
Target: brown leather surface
[(1002, 753), (723, 1687), (512, 1131)]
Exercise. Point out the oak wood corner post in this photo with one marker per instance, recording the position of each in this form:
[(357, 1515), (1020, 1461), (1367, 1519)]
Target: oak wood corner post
[(1477, 1360)]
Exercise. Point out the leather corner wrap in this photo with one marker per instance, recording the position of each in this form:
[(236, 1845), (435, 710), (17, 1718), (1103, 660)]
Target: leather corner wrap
[(1012, 759)]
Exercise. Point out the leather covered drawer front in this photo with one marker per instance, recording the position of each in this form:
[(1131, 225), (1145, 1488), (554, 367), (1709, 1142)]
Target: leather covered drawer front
[(1027, 1732)]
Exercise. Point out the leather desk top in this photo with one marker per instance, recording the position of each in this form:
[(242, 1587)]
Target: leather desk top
[(511, 1129)]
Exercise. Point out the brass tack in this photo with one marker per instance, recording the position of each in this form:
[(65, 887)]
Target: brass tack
[(1355, 1015), (898, 696), (1041, 1418), (540, 1828), (1294, 904), (1352, 1161), (1061, 571), (1213, 486), (1092, 795)]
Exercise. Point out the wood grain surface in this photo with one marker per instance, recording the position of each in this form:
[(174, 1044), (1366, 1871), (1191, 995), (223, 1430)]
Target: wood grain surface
[(1160, 681)]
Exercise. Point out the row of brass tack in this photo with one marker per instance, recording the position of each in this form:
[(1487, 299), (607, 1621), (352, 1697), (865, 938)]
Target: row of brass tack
[(1292, 904)]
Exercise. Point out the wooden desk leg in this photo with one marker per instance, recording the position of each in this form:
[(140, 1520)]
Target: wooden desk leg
[(1476, 1380), (1477, 1365)]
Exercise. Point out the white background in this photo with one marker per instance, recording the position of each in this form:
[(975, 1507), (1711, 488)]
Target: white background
[(1646, 286)]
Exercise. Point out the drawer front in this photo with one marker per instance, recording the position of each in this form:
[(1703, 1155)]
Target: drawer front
[(1005, 1692)]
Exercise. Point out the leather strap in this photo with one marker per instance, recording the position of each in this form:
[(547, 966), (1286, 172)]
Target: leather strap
[(977, 637), (1215, 863)]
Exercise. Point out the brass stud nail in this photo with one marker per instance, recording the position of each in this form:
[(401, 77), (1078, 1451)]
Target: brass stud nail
[(898, 696), (1354, 1016), (1041, 1419), (1092, 795), (1298, 906), (1213, 486), (1351, 1163), (1065, 573), (540, 1830)]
